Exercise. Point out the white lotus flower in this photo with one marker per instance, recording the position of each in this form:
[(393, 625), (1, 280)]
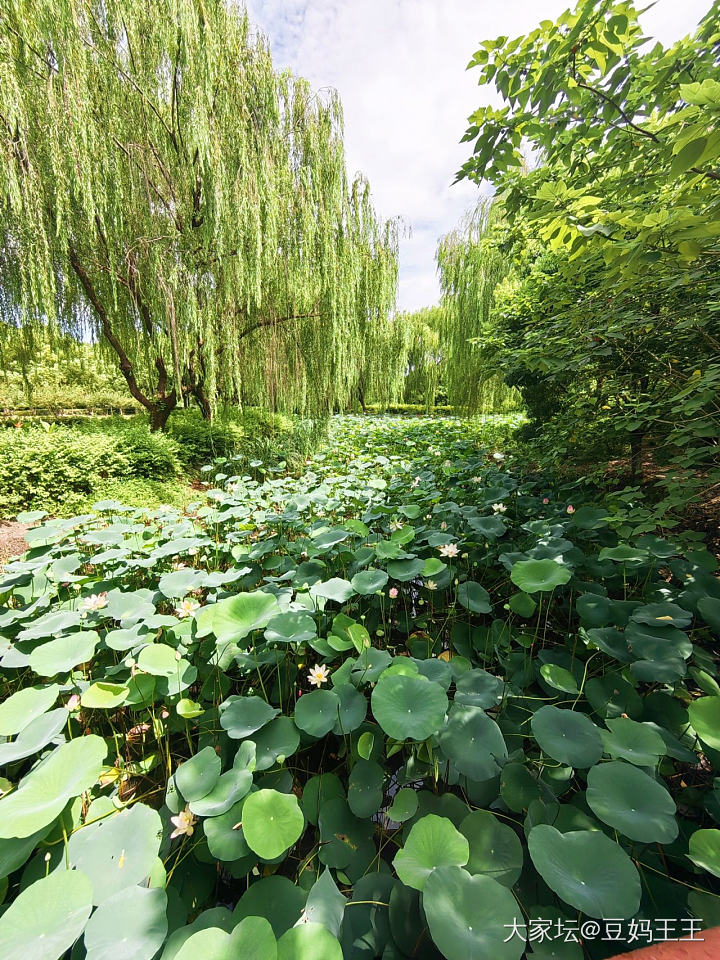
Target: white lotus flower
[(96, 601), (431, 585), (499, 507), (186, 607), (183, 823), (318, 675), (449, 550), (498, 456)]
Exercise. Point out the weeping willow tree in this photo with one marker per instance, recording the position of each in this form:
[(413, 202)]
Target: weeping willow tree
[(425, 356), (470, 269), (165, 191)]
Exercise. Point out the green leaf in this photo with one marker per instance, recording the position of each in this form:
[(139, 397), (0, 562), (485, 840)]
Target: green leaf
[(196, 777), (532, 576), (20, 709), (317, 713), (242, 716), (325, 904), (470, 917), (567, 736), (495, 848), (587, 870), (231, 620), (559, 678), (432, 842), (134, 917), (704, 716), (309, 941), (404, 805), (272, 822), (365, 788), (409, 708), (43, 792), (104, 696), (47, 917), (291, 627), (159, 660), (632, 802), (335, 589), (632, 741), (61, 655), (474, 597), (369, 581), (473, 742), (118, 851), (704, 850)]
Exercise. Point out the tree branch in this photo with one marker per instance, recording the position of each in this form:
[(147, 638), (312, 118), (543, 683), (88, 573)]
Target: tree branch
[(271, 321)]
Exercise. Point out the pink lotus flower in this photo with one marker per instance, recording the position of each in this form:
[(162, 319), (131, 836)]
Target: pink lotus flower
[(546, 500), (393, 592), (571, 509)]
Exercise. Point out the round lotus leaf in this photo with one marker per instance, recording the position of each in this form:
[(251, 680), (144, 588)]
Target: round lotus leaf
[(317, 791), (47, 917), (341, 833), (231, 787), (623, 553), (432, 842), (406, 570), (118, 851), (704, 715), (636, 742), (474, 742), (103, 695), (280, 738), (409, 708), (534, 575), (704, 850), (178, 583), (64, 653), (709, 609), (210, 943), (495, 848), (242, 716), (632, 802), (225, 833), (132, 923), (662, 615), (567, 736), (336, 589), (66, 772), (277, 899), (325, 904), (295, 626), (469, 917), (232, 619), (24, 706), (34, 736), (666, 670), (474, 597), (404, 805), (647, 642), (587, 870), (369, 581), (159, 660), (272, 822), (369, 665), (317, 713), (309, 941), (478, 688), (365, 788), (352, 708), (329, 538), (196, 777)]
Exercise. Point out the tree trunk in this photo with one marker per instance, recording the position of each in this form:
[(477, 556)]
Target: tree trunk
[(160, 412)]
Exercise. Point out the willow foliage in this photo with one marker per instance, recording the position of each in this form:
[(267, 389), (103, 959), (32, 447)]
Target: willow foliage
[(470, 269), (165, 190)]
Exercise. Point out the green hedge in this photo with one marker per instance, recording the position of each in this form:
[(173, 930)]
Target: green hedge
[(62, 467)]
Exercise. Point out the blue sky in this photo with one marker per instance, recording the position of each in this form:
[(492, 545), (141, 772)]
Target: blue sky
[(399, 66)]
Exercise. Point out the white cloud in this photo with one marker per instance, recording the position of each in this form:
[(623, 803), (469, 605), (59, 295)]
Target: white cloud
[(399, 67)]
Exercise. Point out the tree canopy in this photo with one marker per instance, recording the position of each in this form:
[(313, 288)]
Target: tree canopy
[(607, 314), (165, 190)]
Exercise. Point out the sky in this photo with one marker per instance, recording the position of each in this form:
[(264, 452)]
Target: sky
[(400, 69)]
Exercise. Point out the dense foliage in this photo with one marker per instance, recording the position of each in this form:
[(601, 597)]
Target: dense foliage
[(606, 317), (398, 706), (165, 190), (63, 468)]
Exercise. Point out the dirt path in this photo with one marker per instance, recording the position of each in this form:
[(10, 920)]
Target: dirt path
[(12, 539)]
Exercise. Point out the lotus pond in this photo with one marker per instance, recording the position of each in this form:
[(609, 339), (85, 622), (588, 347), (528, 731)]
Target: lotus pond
[(407, 704)]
